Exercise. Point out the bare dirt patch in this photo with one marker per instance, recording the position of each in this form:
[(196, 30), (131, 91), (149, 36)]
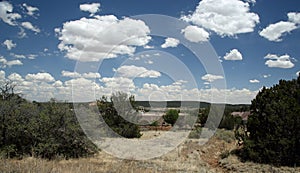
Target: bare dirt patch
[(190, 156)]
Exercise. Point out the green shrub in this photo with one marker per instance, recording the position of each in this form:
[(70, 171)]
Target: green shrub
[(59, 133), (46, 130), (155, 123), (224, 154), (195, 133), (225, 135), (171, 116), (113, 118), (274, 125), (227, 122)]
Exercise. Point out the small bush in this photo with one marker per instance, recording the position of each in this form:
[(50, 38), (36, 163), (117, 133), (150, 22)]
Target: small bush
[(229, 121), (155, 123), (171, 116), (195, 134), (224, 154), (46, 130), (225, 135), (114, 119)]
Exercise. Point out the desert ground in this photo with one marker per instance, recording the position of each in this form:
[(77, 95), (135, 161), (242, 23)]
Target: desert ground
[(190, 156)]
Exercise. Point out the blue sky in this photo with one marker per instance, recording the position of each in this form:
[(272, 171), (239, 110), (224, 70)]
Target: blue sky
[(80, 50)]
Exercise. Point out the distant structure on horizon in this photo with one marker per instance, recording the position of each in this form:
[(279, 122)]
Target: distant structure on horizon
[(93, 104), (243, 115)]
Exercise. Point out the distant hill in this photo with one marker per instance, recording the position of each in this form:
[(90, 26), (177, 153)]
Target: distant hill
[(170, 104), (177, 104)]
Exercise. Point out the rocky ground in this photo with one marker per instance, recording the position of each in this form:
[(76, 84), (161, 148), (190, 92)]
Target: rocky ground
[(190, 156)]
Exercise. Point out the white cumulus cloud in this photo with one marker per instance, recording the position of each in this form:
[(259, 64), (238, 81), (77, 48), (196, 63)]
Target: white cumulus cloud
[(113, 37), (2, 75), (15, 77), (22, 33), (195, 34), (254, 81), (149, 62), (225, 17), (42, 87), (177, 92), (283, 61), (7, 15), (211, 77), (40, 77), (233, 55), (70, 74), (5, 63), (294, 17), (115, 84), (13, 62), (89, 75), (266, 76), (30, 9), (251, 1), (148, 47), (170, 42), (274, 32), (58, 84), (18, 56), (131, 71), (32, 56), (9, 44), (29, 26), (91, 8)]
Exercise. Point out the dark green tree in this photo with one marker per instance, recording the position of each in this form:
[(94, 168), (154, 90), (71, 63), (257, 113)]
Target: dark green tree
[(44, 130), (171, 116), (16, 137), (227, 122), (274, 125), (119, 114), (203, 115), (59, 134)]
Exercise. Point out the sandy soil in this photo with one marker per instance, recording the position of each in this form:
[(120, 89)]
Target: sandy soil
[(190, 156)]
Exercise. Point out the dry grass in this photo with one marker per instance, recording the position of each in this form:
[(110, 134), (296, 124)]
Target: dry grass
[(188, 157), (232, 164), (92, 165), (102, 163), (181, 159), (225, 135)]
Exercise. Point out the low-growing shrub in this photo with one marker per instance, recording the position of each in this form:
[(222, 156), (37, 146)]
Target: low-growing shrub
[(46, 130), (195, 133), (224, 154), (225, 135)]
